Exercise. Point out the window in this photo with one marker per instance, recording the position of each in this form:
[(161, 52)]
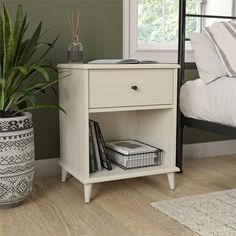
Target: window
[(158, 23), (151, 26)]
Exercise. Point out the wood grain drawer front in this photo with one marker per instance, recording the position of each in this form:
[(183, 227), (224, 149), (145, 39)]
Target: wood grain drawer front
[(119, 88)]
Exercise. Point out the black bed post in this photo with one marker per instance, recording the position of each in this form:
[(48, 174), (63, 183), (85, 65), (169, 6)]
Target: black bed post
[(181, 62)]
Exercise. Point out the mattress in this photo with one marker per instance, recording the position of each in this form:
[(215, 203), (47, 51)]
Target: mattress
[(214, 102)]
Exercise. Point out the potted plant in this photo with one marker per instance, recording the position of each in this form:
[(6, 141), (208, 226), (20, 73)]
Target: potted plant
[(24, 72)]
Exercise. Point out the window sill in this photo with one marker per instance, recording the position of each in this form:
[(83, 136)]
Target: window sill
[(163, 50), (161, 55)]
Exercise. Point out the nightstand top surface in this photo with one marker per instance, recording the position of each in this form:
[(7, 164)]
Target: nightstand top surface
[(117, 66)]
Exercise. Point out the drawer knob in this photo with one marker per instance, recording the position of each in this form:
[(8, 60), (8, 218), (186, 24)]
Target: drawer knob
[(134, 87)]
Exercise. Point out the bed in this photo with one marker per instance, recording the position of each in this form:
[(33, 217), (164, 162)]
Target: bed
[(215, 102), (210, 107)]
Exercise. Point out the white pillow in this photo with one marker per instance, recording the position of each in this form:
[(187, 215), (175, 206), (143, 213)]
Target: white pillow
[(208, 61), (222, 35)]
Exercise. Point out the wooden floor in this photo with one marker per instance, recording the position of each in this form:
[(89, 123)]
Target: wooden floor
[(117, 208)]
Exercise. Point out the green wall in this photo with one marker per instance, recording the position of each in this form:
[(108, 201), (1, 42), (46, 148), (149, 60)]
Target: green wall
[(101, 35)]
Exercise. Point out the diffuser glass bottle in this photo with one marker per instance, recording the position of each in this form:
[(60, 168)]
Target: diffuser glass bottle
[(75, 51)]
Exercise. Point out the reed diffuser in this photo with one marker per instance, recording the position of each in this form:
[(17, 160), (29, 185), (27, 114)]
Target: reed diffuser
[(75, 48)]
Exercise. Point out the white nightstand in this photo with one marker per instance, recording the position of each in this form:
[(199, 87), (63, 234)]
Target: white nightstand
[(129, 102)]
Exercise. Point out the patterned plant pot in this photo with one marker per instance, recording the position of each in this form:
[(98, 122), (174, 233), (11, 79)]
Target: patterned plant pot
[(16, 159)]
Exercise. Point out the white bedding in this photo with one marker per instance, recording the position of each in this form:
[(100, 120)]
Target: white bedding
[(215, 102)]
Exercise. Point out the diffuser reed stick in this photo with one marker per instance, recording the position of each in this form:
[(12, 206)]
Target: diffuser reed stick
[(74, 21)]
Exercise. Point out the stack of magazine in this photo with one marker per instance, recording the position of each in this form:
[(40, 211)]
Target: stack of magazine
[(133, 154), (98, 156), (122, 61)]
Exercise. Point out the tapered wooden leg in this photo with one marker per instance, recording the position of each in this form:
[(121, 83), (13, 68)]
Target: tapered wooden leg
[(87, 192), (171, 179), (63, 175)]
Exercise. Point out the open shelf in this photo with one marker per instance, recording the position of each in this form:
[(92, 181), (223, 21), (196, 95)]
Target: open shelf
[(148, 126), (118, 173)]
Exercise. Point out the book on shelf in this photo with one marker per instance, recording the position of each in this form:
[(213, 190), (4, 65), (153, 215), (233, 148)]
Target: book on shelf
[(92, 158), (95, 145), (104, 157), (98, 155), (133, 154)]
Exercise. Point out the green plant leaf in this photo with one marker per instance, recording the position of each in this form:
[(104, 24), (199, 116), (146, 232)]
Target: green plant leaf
[(13, 78), (54, 91), (35, 86), (22, 69), (34, 107), (49, 48), (30, 89), (10, 50), (48, 64), (2, 45), (47, 85), (7, 22), (41, 71), (13, 100), (9, 41), (18, 39), (18, 24), (28, 96), (29, 49), (2, 93)]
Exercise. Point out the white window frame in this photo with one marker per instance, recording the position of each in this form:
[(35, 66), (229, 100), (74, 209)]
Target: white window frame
[(126, 31), (163, 53)]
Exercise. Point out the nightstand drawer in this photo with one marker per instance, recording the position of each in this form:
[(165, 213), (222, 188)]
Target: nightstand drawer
[(119, 88)]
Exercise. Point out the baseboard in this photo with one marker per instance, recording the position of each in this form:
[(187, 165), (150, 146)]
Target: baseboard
[(47, 167), (209, 149)]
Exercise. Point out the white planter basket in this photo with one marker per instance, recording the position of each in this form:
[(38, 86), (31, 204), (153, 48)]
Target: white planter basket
[(16, 159)]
